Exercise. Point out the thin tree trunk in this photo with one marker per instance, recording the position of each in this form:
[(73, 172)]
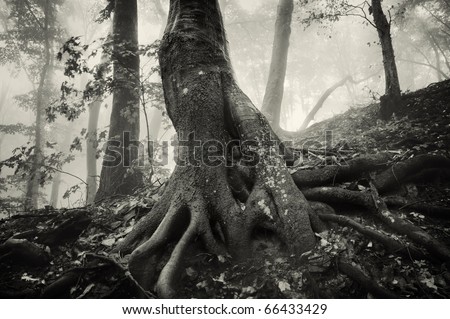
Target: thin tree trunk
[(273, 96), (33, 185), (387, 49), (3, 96), (392, 97), (157, 116), (438, 71), (321, 101), (54, 195), (56, 185), (438, 46), (91, 134), (438, 62), (91, 151), (121, 152)]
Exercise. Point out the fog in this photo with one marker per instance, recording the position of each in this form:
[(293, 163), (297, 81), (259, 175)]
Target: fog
[(320, 55)]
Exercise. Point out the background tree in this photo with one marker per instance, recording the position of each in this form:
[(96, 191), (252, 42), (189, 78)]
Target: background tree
[(157, 115), (425, 32), (273, 97), (116, 176), (390, 102), (33, 31), (334, 10)]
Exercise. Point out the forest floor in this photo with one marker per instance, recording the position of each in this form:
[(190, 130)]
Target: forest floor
[(66, 253)]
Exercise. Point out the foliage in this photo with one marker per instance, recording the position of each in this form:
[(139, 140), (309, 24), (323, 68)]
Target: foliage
[(22, 159), (76, 57), (321, 11), (18, 128), (106, 12), (24, 37)]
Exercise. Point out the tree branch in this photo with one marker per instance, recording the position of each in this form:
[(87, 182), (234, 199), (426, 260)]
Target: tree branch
[(30, 9), (425, 64)]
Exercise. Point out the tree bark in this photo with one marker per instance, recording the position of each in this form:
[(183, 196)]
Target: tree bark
[(392, 92), (273, 96), (117, 176), (205, 104)]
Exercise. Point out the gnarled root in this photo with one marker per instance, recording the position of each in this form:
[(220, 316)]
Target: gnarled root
[(364, 281), (404, 171), (424, 208), (198, 205), (415, 233), (376, 205), (351, 170), (392, 245)]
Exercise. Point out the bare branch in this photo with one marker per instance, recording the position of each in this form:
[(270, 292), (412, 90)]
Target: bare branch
[(30, 9), (425, 64)]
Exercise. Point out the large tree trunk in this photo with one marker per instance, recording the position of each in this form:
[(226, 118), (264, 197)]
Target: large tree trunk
[(273, 96), (392, 97), (33, 185), (121, 152), (209, 111)]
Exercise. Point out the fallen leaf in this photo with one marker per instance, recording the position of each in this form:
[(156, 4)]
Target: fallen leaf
[(86, 291), (221, 278), (283, 286), (29, 278), (221, 259), (108, 242), (248, 290), (202, 284), (191, 272)]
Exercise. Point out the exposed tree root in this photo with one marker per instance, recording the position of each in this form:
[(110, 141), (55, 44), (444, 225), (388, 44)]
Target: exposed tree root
[(237, 202), (426, 209), (364, 281), (337, 195), (399, 173), (60, 288), (319, 225), (21, 251), (392, 245), (66, 232), (349, 171), (125, 271), (375, 204), (190, 212), (415, 233)]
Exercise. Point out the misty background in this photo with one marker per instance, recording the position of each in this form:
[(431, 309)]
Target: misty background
[(320, 54)]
